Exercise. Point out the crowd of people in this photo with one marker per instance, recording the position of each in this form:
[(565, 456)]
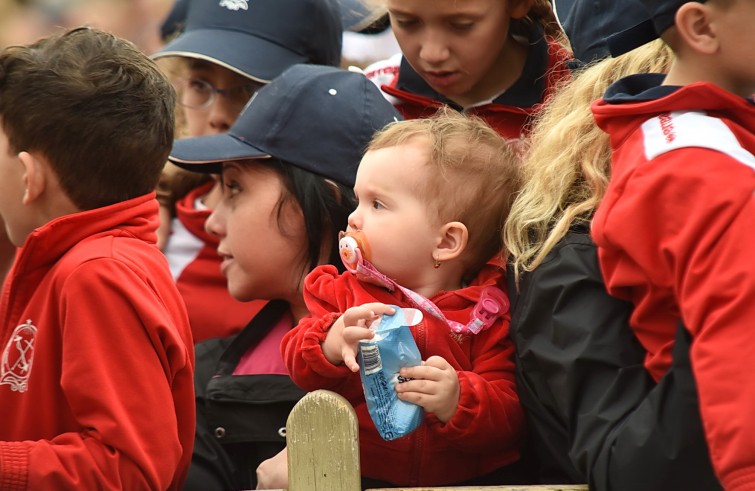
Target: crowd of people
[(561, 188)]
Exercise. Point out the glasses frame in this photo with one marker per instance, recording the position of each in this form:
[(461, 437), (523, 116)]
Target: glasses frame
[(184, 83)]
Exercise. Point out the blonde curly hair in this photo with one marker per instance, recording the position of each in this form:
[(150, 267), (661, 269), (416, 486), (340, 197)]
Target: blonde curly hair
[(567, 168)]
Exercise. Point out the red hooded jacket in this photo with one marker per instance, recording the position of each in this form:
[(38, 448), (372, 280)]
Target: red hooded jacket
[(676, 234), (96, 382), (486, 430)]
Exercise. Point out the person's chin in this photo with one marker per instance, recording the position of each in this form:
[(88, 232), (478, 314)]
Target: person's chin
[(239, 292)]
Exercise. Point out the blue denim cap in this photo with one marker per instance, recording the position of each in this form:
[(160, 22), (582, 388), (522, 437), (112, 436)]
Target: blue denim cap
[(318, 118), (260, 38), (659, 16)]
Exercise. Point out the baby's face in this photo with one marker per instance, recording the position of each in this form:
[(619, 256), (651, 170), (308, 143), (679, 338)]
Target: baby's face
[(399, 226)]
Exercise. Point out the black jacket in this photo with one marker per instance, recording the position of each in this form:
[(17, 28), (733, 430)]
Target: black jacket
[(241, 419), (595, 415)]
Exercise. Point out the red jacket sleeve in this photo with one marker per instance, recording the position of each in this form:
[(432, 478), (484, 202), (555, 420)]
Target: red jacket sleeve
[(301, 348)]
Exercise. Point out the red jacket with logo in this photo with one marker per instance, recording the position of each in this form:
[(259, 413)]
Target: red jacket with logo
[(96, 382), (509, 114), (484, 433), (195, 265), (676, 235)]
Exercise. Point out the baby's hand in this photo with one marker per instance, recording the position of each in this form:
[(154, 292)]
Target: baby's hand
[(342, 340), (435, 387)]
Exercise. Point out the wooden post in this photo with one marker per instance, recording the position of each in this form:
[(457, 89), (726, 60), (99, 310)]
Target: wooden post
[(323, 450), (323, 444)]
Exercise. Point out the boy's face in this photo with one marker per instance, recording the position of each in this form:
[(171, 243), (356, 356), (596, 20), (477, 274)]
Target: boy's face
[(220, 110), (736, 19), (14, 213), (401, 228), (260, 261)]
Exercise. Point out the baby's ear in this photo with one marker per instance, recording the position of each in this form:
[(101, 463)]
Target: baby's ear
[(453, 240), (35, 176)]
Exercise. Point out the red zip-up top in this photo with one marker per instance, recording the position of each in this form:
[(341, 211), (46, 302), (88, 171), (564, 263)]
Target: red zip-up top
[(484, 433), (96, 381), (676, 235), (195, 265), (510, 112)]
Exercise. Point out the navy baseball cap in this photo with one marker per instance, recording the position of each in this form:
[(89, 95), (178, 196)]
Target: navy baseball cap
[(260, 38), (588, 23), (318, 118), (659, 16)]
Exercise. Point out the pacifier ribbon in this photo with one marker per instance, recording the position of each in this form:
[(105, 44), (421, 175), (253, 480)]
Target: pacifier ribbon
[(355, 254)]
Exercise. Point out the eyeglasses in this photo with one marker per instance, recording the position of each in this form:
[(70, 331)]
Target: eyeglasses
[(195, 93)]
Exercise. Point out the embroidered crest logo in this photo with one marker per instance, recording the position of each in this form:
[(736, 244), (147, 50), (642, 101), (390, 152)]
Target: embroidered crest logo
[(18, 356), (235, 4)]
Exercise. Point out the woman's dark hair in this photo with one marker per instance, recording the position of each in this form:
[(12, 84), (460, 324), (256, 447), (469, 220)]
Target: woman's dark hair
[(325, 207)]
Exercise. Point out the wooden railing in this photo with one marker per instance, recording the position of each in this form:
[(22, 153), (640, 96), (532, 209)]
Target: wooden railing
[(323, 450)]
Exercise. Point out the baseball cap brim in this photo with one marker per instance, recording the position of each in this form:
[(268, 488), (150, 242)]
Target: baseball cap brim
[(260, 59), (207, 153)]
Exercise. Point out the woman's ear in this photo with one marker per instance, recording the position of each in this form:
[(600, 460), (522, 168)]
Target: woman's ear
[(35, 178), (453, 241)]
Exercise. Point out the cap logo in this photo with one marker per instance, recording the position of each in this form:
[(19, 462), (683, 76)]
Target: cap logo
[(235, 4)]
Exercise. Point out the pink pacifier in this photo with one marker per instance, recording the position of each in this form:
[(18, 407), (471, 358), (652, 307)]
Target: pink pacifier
[(353, 249)]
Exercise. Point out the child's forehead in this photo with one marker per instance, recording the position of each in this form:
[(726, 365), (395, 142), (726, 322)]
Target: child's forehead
[(393, 168), (414, 153), (442, 8), (203, 65)]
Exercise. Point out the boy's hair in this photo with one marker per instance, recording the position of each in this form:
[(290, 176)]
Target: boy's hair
[(472, 176), (97, 108), (567, 169)]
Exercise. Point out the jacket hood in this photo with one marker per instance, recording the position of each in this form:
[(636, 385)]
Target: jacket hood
[(640, 97)]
